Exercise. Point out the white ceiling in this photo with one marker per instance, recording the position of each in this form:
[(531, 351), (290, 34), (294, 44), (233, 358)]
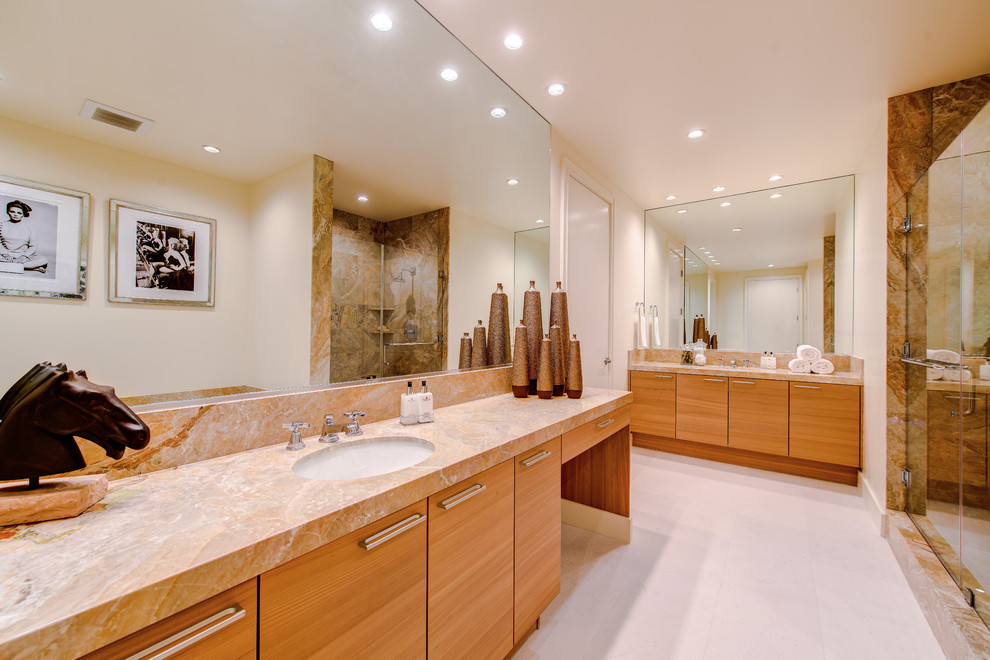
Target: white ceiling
[(781, 87)]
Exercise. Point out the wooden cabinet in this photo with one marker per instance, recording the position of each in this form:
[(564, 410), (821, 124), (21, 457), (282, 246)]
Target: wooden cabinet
[(224, 626), (470, 600), (758, 415), (702, 409), (537, 534), (363, 595), (824, 423), (654, 403), (948, 414)]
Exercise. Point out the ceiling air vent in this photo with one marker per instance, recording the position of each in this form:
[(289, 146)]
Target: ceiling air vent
[(125, 120)]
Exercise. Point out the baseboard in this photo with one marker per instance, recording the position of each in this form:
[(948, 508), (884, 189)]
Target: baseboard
[(874, 508), (595, 520)]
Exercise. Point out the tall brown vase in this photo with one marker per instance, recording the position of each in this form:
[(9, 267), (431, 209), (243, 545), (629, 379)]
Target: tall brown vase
[(479, 347), (558, 316), (464, 360), (533, 319), (544, 382), (557, 359), (520, 364), (499, 348), (575, 380)]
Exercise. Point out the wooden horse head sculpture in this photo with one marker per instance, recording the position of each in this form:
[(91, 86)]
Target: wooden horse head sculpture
[(49, 405)]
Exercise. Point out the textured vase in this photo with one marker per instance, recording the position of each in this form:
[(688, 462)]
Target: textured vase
[(544, 381), (575, 381), (557, 359), (479, 347), (558, 316), (520, 364), (533, 320), (498, 328), (464, 361)]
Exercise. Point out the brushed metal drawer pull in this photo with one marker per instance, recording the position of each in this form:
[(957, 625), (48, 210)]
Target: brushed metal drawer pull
[(534, 459), (662, 376), (390, 533), (193, 634), (604, 423), (808, 387), (744, 382), (462, 496), (714, 380)]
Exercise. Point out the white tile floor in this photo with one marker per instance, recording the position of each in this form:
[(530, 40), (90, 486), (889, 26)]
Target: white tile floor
[(729, 562)]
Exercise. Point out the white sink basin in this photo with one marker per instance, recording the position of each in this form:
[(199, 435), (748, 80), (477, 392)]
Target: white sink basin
[(363, 458)]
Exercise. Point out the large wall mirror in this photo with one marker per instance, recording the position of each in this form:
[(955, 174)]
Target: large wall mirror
[(765, 270), (415, 126)]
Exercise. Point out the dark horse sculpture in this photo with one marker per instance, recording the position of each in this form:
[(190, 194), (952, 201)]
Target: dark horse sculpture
[(49, 405)]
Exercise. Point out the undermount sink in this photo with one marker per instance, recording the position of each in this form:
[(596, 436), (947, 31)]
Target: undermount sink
[(363, 458)]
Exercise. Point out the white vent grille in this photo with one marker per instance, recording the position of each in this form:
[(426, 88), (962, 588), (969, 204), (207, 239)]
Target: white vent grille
[(114, 117)]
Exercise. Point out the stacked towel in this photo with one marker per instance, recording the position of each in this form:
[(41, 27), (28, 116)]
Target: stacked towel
[(822, 366), (956, 374), (809, 353), (799, 366), (934, 373), (944, 355)]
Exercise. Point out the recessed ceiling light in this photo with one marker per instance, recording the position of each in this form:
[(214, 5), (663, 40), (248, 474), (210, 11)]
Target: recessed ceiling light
[(702, 248), (362, 198), (539, 220), (718, 188), (381, 21), (776, 196), (556, 89), (497, 112), (769, 265), (449, 75), (682, 211), (737, 229), (513, 41), (695, 134), (671, 198), (512, 182), (211, 148), (726, 204), (775, 177)]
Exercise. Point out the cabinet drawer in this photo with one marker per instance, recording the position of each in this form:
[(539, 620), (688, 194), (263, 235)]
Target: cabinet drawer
[(702, 409), (224, 626), (758, 415), (825, 423), (654, 403), (651, 381), (588, 435)]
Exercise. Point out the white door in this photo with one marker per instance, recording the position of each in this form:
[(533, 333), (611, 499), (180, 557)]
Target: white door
[(588, 264), (675, 300), (773, 313)]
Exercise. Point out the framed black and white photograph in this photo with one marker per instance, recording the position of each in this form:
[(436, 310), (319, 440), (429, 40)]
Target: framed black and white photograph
[(43, 239), (159, 256)]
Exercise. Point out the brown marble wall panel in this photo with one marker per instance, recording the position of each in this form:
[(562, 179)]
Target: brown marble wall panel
[(319, 336), (953, 106), (828, 276), (909, 141)]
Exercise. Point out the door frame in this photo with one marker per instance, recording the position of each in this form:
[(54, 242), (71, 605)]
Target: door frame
[(801, 303)]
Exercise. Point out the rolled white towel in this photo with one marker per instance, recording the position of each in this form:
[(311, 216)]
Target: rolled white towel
[(799, 366), (934, 373), (957, 374), (822, 366), (944, 355), (809, 353)]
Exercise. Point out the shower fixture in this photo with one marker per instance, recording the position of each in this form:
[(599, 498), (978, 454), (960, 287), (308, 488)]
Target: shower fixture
[(399, 278)]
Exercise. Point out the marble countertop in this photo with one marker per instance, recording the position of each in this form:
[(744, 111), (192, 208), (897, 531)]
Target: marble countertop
[(160, 542), (834, 378)]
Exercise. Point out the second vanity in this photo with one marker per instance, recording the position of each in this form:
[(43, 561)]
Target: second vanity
[(454, 557)]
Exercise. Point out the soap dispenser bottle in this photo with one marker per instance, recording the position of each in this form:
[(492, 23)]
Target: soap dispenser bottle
[(425, 405), (409, 406)]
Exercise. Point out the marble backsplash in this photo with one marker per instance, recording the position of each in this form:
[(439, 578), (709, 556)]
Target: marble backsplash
[(843, 363)]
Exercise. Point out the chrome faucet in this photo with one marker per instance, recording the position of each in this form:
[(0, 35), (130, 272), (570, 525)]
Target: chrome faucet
[(329, 434), (354, 427), (745, 362), (733, 363), (295, 440)]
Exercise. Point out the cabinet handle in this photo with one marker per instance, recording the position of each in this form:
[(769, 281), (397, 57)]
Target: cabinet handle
[(390, 533), (808, 387), (714, 380), (602, 424), (462, 496), (534, 459), (662, 376), (193, 634), (743, 382)]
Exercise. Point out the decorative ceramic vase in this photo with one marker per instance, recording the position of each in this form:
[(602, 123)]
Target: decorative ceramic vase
[(557, 359), (533, 320), (520, 364), (499, 348), (558, 316), (464, 361), (544, 382), (479, 347), (575, 381)]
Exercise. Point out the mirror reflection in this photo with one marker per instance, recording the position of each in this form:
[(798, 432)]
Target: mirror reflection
[(320, 119), (764, 271)]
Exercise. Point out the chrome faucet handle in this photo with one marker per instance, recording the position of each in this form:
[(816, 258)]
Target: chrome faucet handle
[(745, 362), (721, 362), (733, 363), (354, 428), (328, 435), (295, 440)]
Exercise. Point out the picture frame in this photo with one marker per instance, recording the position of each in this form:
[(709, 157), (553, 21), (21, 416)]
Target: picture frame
[(160, 257), (44, 239)]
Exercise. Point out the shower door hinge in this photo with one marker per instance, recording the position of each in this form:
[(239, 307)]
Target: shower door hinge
[(906, 224), (906, 477), (441, 275), (906, 349), (970, 597)]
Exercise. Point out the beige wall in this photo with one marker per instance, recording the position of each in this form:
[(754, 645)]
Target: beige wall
[(532, 263), (731, 304), (845, 248), (814, 305)]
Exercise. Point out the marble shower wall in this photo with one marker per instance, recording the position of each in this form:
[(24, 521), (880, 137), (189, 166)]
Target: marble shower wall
[(319, 334), (828, 277)]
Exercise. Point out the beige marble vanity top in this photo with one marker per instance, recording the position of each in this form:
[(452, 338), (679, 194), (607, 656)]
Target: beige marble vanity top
[(835, 378), (160, 542)]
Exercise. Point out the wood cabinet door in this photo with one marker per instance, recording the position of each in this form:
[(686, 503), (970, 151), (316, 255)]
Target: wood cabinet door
[(825, 423), (654, 403), (948, 412), (470, 567), (702, 409), (361, 596), (224, 626), (537, 534), (758, 415)]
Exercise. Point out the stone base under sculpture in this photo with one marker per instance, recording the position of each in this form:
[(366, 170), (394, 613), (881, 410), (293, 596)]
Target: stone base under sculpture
[(59, 497)]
